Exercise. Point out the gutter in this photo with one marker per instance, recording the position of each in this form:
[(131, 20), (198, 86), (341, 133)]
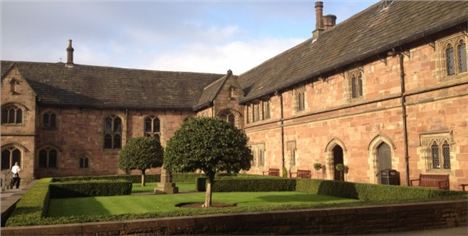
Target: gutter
[(404, 115), (390, 46)]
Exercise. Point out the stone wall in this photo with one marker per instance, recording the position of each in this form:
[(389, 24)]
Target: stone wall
[(79, 134), (372, 219)]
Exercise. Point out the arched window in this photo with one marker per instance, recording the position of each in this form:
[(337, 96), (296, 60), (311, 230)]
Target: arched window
[(356, 85), (446, 155), (461, 50), (450, 60), (84, 162), (300, 98), (112, 132), (227, 116), (49, 120), (10, 155), (435, 156), (152, 127), (12, 115), (48, 158)]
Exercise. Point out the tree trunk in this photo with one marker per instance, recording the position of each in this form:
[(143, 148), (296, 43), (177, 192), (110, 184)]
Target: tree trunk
[(143, 182), (208, 193)]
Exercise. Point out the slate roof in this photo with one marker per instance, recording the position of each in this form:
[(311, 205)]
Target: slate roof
[(368, 33), (209, 93), (108, 87)]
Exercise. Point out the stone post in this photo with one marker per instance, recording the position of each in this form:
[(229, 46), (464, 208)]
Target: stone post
[(166, 185)]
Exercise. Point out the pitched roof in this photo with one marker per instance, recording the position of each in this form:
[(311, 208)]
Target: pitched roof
[(368, 33), (109, 87), (211, 91)]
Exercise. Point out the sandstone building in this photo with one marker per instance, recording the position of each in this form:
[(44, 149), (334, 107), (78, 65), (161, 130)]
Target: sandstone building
[(384, 89)]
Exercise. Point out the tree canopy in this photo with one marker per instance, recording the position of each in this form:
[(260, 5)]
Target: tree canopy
[(141, 153), (210, 145)]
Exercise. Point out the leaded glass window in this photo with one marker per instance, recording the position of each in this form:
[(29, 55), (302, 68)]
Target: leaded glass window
[(435, 156), (450, 60), (461, 48), (12, 115), (49, 120), (152, 127), (112, 132), (47, 158), (10, 155), (446, 155)]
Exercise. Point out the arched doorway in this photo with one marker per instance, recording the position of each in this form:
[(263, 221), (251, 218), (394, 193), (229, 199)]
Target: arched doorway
[(384, 157), (337, 159)]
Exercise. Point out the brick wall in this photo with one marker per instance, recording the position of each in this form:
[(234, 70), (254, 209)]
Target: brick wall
[(372, 219)]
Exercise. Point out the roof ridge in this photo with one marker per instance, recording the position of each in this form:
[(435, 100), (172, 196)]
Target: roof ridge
[(114, 67)]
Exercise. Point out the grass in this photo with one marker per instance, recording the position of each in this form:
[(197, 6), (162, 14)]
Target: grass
[(164, 205), (149, 187)]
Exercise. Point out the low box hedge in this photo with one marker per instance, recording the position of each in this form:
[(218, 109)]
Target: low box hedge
[(176, 177), (32, 206), (372, 192), (78, 188), (248, 184)]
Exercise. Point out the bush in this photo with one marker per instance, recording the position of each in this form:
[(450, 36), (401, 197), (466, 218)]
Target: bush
[(32, 206), (176, 177), (248, 184), (90, 188), (372, 192)]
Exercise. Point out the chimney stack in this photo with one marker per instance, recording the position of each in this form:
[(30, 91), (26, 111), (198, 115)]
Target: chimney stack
[(322, 22), (318, 15), (329, 21), (70, 53)]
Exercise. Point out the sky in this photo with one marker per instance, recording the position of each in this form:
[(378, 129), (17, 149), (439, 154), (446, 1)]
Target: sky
[(200, 36)]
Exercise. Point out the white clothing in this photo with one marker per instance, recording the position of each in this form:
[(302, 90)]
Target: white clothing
[(15, 169)]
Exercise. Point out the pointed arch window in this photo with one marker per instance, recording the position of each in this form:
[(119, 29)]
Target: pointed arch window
[(446, 155), (461, 51), (84, 162), (435, 156), (112, 132), (450, 60), (356, 85), (48, 158), (10, 155), (300, 98), (12, 114), (152, 127), (49, 120)]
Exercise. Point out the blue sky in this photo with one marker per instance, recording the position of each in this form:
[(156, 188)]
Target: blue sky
[(205, 36)]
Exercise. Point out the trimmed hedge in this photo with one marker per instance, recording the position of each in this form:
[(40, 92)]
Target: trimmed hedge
[(177, 177), (33, 205), (246, 184), (90, 188), (372, 192)]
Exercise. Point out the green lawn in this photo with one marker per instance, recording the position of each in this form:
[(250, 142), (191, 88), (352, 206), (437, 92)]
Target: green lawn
[(164, 204), (149, 187)]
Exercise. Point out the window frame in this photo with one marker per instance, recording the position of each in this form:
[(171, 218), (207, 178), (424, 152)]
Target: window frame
[(10, 113), (49, 124), (11, 149), (48, 160), (153, 132), (112, 132)]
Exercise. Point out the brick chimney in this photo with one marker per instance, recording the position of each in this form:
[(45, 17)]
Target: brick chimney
[(70, 53), (329, 21), (322, 23)]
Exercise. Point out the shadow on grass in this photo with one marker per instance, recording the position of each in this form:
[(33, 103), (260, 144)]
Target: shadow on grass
[(296, 198), (67, 207)]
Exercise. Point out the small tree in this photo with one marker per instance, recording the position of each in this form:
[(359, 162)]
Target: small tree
[(317, 166), (210, 145), (141, 153)]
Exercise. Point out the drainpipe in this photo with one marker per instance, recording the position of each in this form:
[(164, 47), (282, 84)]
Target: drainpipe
[(282, 132), (126, 125), (404, 116)]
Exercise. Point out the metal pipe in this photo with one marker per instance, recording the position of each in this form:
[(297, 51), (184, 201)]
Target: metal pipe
[(404, 116), (282, 132)]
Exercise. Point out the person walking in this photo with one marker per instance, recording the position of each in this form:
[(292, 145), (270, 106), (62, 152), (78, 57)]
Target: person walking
[(15, 181)]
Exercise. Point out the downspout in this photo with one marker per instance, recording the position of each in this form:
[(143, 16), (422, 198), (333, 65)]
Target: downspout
[(404, 116), (126, 125), (283, 166)]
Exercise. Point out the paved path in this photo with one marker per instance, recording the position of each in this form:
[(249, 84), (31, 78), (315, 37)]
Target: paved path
[(10, 197)]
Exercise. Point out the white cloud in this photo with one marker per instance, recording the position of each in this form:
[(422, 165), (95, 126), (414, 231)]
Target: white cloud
[(239, 56)]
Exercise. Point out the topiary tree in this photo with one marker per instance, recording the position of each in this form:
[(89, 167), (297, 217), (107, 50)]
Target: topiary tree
[(210, 145), (141, 153)]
